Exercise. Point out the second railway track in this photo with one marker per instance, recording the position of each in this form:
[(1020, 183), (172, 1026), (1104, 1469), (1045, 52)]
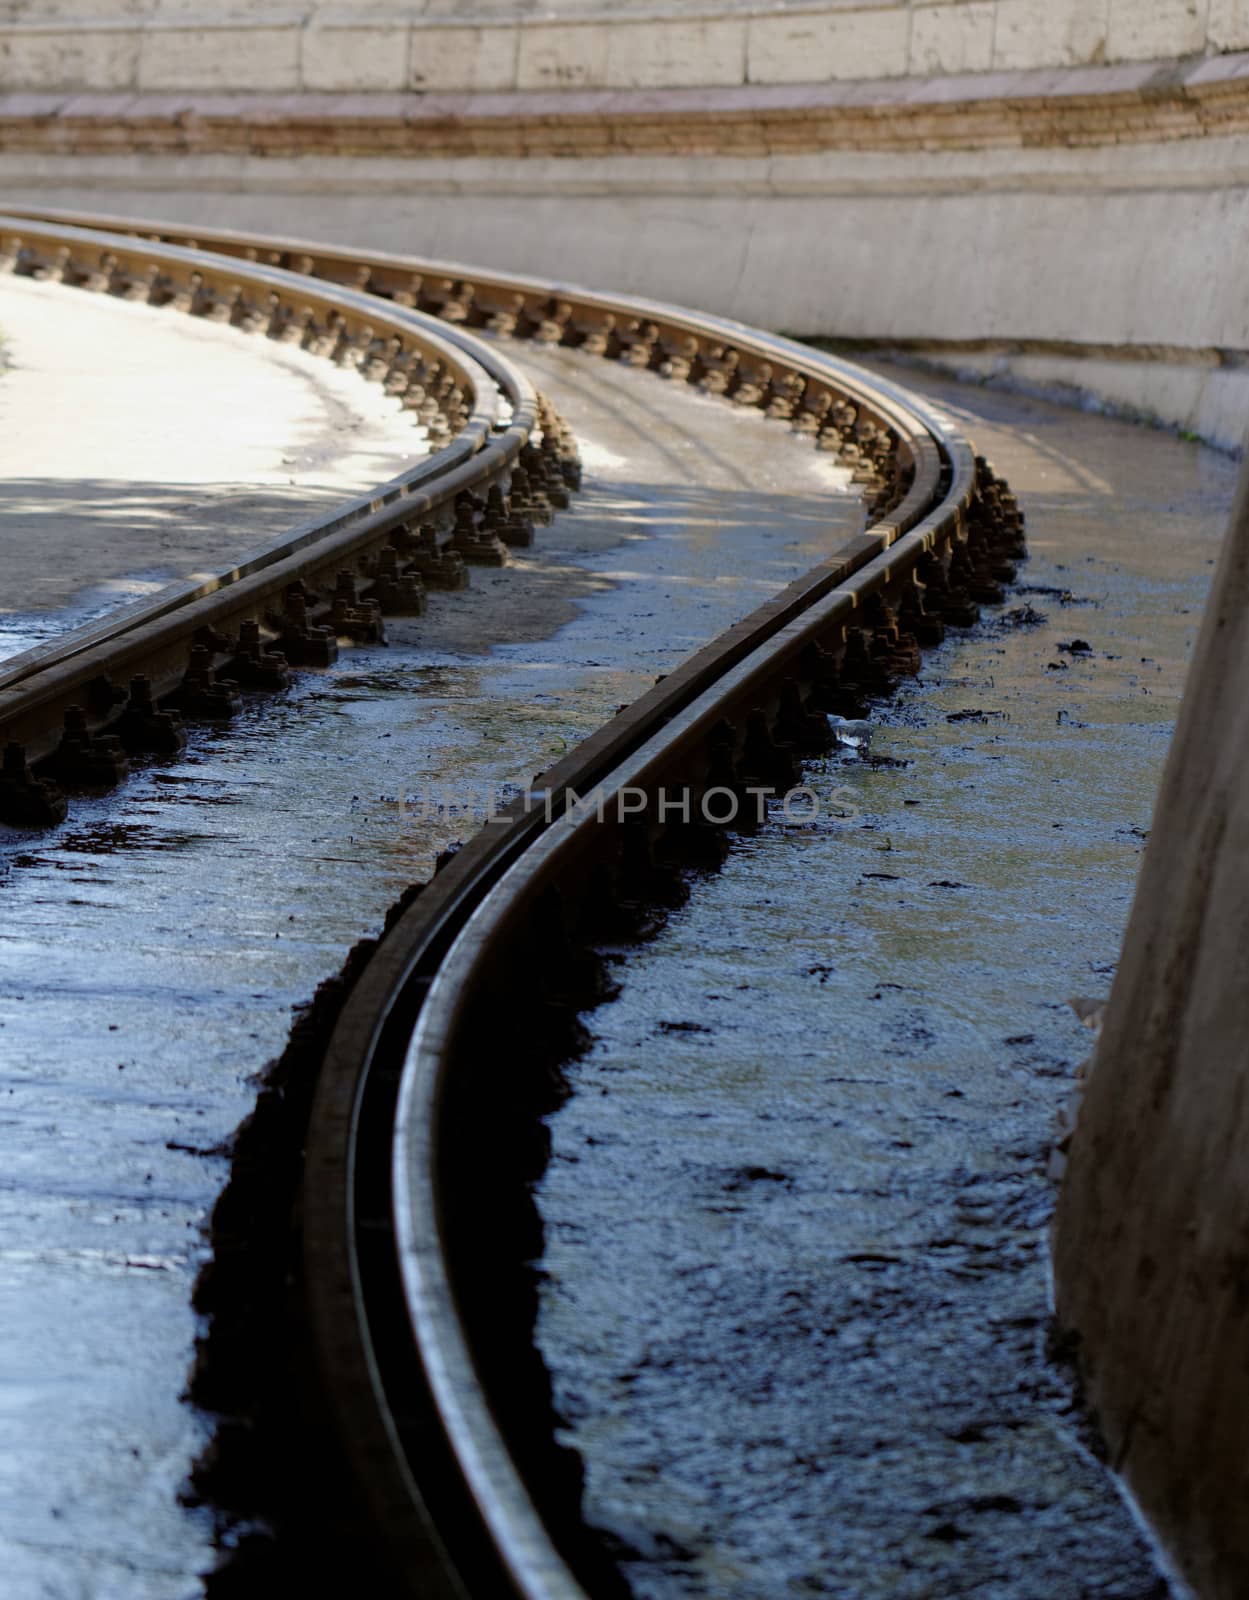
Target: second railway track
[(73, 711), (436, 1059)]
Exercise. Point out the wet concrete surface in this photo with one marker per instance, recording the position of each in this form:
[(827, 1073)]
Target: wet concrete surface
[(795, 1279), (141, 446), (152, 947)]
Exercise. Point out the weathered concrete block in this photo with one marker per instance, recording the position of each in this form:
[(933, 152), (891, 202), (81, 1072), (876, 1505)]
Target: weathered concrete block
[(355, 57), (448, 11), (812, 47), (952, 38), (352, 44), (563, 56), (361, 13), (1036, 246), (647, 55), (276, 13), (1224, 406), (219, 58), (33, 58), (41, 12), (1046, 33), (1228, 26), (463, 58), (1151, 30)]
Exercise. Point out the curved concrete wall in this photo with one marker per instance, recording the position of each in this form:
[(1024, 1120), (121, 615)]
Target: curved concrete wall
[(500, 45), (1052, 191)]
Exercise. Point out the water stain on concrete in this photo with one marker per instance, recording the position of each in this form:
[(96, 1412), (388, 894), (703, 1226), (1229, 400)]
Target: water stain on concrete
[(152, 948), (795, 1278)]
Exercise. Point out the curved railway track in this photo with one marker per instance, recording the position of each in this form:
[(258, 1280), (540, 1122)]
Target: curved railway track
[(439, 1055), (73, 711)]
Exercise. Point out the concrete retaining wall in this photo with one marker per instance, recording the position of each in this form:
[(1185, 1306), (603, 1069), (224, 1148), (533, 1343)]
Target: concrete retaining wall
[(498, 45), (1152, 1234), (977, 174), (1111, 272)]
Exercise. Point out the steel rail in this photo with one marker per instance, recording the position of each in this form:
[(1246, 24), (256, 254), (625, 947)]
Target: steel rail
[(414, 1150), (399, 1059), (486, 373), (560, 858)]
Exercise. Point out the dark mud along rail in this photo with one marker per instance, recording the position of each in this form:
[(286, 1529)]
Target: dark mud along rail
[(424, 1132)]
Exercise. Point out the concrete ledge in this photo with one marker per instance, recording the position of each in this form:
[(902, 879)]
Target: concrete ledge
[(1149, 102), (1202, 394)]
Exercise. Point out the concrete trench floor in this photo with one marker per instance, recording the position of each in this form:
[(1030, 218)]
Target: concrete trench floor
[(152, 947), (795, 1278), (140, 445), (859, 1359)]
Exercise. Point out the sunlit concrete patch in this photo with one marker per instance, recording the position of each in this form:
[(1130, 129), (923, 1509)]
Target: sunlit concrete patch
[(151, 948), (795, 1293), (142, 446)]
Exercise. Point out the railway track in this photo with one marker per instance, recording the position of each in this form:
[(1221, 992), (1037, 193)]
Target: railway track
[(73, 712), (424, 1072)]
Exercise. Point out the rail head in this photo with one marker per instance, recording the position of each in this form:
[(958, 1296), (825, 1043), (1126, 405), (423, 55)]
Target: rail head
[(438, 1050)]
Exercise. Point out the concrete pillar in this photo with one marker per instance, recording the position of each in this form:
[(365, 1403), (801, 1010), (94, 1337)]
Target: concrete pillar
[(1151, 1249)]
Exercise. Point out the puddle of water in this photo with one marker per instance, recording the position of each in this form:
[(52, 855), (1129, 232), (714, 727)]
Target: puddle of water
[(22, 630)]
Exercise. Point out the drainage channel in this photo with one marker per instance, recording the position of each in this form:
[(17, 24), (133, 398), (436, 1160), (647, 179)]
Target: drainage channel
[(794, 1291)]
